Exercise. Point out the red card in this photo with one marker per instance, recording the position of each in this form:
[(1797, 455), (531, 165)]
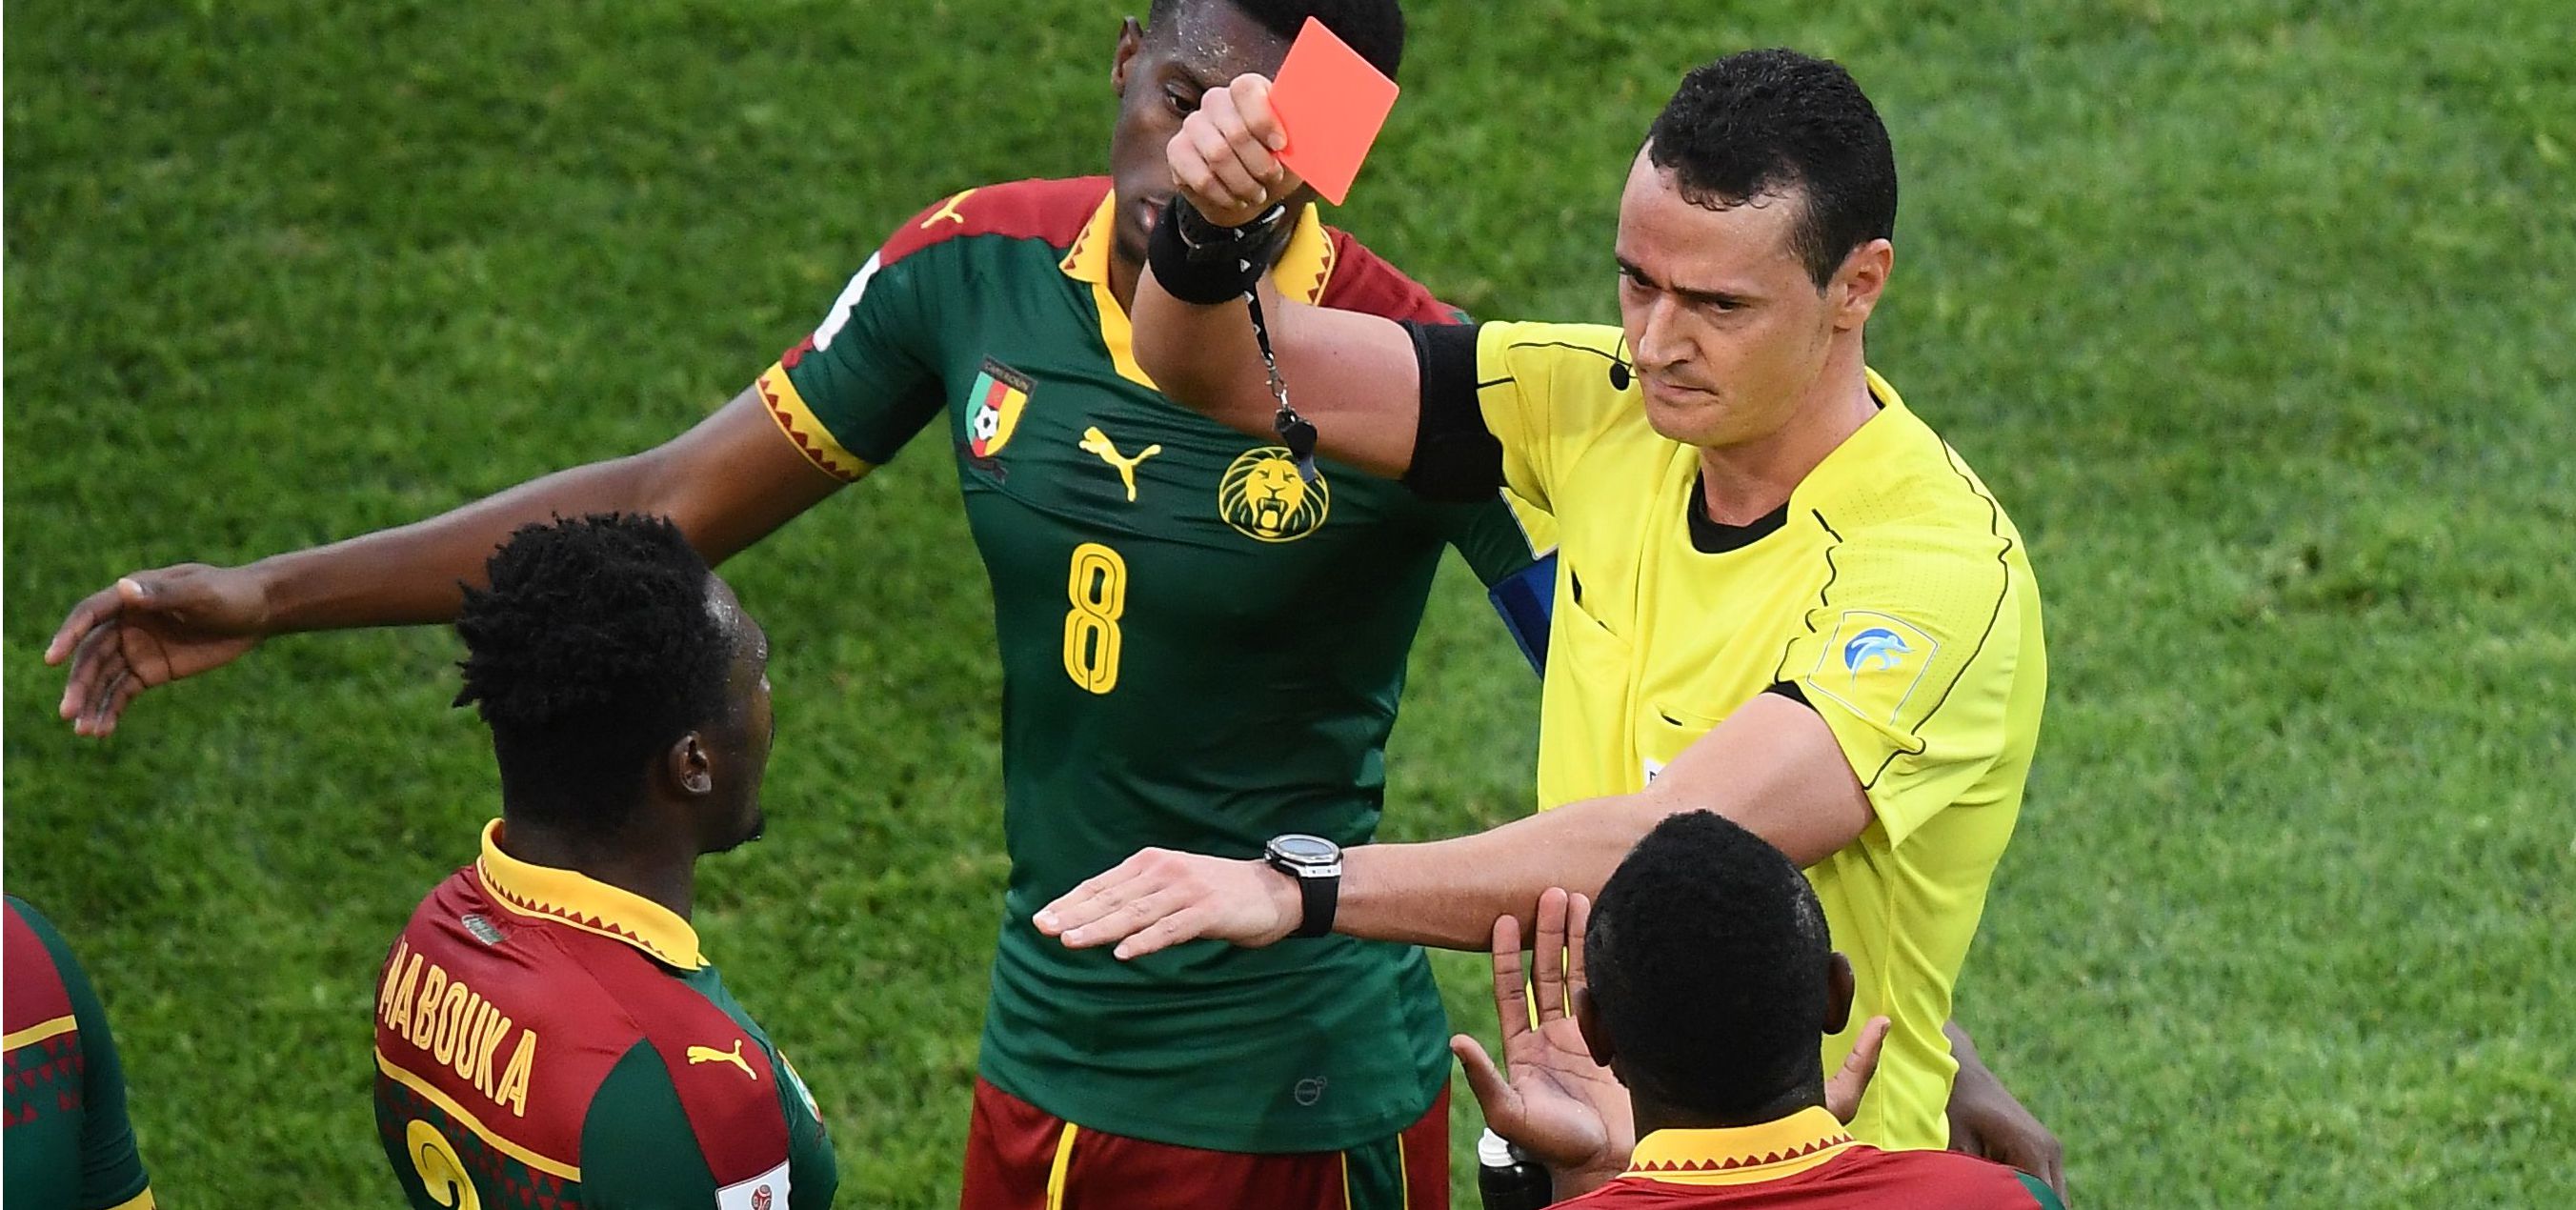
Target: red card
[(1331, 104)]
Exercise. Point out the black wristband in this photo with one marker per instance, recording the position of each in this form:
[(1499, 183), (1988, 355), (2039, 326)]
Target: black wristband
[(1320, 897), (1199, 262)]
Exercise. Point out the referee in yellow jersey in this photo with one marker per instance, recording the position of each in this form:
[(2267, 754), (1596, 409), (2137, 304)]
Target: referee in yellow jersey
[(1781, 595)]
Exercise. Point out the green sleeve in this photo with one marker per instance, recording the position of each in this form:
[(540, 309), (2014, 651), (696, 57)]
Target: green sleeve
[(1500, 537), (813, 1171), (111, 1169), (2040, 1192), (638, 1151), (871, 375)]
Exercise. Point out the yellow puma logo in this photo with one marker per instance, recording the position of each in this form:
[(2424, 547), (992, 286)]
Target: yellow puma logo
[(709, 1054), (1097, 442), (948, 210)]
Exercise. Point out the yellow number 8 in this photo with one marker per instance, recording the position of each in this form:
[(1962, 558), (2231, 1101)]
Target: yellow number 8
[(442, 1171), (1097, 586)]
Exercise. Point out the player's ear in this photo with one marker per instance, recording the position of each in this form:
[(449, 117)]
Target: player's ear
[(1838, 992), (1855, 288), (1595, 1031), (691, 767), (1131, 39)]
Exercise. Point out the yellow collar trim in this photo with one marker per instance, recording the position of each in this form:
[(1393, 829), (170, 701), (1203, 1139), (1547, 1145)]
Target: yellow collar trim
[(572, 898), (1300, 276), (1742, 1155)]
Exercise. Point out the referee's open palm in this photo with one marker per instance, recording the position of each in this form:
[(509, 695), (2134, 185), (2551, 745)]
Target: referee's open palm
[(1549, 1097)]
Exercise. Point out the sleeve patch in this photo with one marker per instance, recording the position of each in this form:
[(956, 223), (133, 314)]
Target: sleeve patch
[(767, 1191), (1872, 663)]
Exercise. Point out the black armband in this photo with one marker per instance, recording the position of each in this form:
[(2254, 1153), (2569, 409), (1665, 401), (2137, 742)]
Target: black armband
[(1199, 262), (1456, 459)]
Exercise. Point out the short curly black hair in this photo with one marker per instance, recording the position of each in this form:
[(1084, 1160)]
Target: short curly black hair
[(594, 648), (1707, 959), (1374, 28), (1760, 123)]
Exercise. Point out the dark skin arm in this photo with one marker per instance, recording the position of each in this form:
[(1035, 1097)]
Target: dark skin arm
[(727, 482), (1987, 1120)]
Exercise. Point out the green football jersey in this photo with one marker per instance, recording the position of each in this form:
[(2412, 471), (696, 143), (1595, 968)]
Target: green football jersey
[(69, 1146), (545, 1041), (1199, 649)]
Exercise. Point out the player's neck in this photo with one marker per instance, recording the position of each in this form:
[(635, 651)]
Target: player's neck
[(664, 878), (1653, 1114), (1740, 484), (1123, 276)]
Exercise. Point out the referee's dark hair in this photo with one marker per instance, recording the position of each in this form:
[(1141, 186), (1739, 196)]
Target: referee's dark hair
[(1374, 28), (1760, 123), (1709, 966), (593, 650)]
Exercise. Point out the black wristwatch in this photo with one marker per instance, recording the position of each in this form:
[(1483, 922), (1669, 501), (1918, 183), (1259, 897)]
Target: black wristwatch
[(1316, 864)]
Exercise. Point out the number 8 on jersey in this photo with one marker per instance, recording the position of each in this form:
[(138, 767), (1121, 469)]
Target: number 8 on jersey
[(1096, 583)]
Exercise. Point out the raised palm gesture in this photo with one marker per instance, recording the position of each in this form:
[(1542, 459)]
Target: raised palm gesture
[(1556, 1104)]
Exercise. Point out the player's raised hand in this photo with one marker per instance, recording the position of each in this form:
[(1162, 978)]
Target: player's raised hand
[(1549, 1097), (1159, 898), (149, 629), (1225, 158)]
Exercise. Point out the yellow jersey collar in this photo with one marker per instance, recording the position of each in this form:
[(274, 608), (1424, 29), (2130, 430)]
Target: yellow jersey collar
[(572, 898), (1300, 276), (1740, 1154)]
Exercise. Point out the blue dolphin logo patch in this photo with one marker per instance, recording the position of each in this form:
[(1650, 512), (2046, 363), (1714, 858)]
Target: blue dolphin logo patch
[(1876, 647)]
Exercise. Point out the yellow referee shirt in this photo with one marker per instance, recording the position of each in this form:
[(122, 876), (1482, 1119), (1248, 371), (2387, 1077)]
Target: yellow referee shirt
[(1894, 596)]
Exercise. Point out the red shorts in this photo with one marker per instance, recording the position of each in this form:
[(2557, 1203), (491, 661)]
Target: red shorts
[(1020, 1157)]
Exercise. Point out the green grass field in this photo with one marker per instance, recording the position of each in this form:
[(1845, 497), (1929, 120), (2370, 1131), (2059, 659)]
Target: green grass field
[(2254, 312)]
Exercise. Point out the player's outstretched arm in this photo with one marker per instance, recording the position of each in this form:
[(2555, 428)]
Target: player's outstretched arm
[(1773, 766), (726, 482), (1352, 375)]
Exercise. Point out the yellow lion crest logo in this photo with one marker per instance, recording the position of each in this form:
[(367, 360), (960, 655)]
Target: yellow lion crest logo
[(1262, 497)]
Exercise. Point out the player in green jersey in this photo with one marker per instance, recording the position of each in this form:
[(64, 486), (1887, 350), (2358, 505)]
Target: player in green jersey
[(547, 1031), (69, 1144)]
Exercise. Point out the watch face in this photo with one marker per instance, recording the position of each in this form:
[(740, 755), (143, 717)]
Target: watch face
[(1306, 850)]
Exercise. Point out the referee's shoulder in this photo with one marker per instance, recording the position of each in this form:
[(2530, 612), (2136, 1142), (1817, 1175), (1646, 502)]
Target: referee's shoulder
[(1914, 482)]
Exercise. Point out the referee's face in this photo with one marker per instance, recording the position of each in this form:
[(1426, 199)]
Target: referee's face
[(1729, 334)]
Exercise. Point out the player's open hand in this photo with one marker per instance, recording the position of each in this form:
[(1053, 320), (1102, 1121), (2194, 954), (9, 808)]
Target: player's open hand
[(149, 629), (1548, 1097), (1225, 158), (1159, 898), (1987, 1120)]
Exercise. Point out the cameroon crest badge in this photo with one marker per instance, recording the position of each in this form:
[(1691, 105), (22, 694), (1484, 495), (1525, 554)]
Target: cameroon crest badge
[(999, 396)]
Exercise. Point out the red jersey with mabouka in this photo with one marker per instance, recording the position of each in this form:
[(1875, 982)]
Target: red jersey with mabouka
[(545, 1041)]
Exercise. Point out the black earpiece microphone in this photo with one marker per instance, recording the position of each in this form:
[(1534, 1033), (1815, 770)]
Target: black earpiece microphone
[(1619, 375)]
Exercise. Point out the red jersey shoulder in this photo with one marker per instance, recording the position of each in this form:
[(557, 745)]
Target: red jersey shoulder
[(1363, 281), (1052, 210), (1934, 1180), (35, 992), (727, 1084), (502, 1014)]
